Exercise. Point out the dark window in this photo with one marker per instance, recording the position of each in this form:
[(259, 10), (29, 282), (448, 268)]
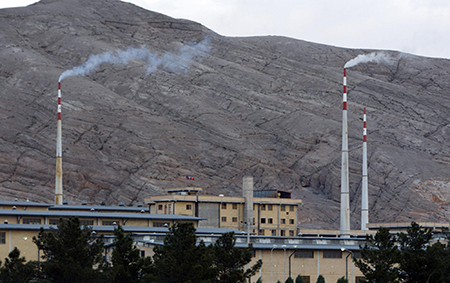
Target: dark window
[(188, 207), (282, 233), (291, 208), (274, 232), (261, 232), (31, 221), (142, 253), (234, 219), (304, 254), (2, 238), (291, 221), (158, 224), (283, 207), (224, 206), (283, 221), (291, 233), (160, 207), (270, 220), (224, 219), (306, 279), (269, 207), (53, 221), (110, 223), (263, 220), (332, 254), (263, 207), (87, 222), (234, 205)]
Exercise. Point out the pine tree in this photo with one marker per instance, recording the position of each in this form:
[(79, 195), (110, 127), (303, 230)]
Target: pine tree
[(342, 280), (71, 253), (320, 279), (15, 269), (299, 279), (289, 280)]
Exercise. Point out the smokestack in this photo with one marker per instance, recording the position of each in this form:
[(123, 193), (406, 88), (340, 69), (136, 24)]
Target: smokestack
[(58, 178), (247, 193), (365, 186), (345, 199)]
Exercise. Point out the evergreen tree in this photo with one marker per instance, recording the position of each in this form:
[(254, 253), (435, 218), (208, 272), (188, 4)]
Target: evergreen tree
[(259, 280), (15, 269), (379, 258), (181, 259), (127, 265), (342, 280), (230, 261), (414, 262), (289, 280), (320, 279), (299, 279), (71, 253)]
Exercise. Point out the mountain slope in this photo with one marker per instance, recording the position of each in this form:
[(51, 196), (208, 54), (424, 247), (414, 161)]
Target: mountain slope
[(265, 106)]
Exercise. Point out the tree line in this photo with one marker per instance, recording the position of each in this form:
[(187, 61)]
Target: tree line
[(411, 257), (74, 254)]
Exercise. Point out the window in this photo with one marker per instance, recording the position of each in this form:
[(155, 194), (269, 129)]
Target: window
[(269, 220), (53, 221), (224, 219), (282, 233), (304, 254), (188, 206), (332, 254), (224, 206), (291, 233), (31, 221), (291, 221), (291, 208), (306, 279), (274, 232), (270, 207), (87, 222), (283, 221), (234, 219), (263, 221), (142, 253), (2, 238), (158, 224), (283, 207), (160, 207), (261, 232), (263, 207), (234, 205), (110, 222)]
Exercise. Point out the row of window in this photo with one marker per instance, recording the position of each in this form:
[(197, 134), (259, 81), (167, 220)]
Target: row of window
[(56, 222), (263, 220), (262, 206), (262, 232)]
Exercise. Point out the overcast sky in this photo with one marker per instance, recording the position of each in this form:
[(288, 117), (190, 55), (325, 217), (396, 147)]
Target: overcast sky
[(420, 27)]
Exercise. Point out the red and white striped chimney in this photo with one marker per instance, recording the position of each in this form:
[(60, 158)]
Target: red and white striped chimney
[(365, 186), (58, 178), (345, 198)]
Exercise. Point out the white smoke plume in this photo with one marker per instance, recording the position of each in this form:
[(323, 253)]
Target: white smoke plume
[(376, 57), (173, 61)]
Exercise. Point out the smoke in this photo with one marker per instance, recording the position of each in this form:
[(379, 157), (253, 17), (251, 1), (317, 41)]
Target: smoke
[(173, 61), (376, 57)]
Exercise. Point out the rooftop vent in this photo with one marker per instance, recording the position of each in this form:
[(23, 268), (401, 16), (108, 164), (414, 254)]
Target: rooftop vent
[(84, 202), (14, 207), (103, 203), (6, 222), (140, 204), (65, 202), (121, 203)]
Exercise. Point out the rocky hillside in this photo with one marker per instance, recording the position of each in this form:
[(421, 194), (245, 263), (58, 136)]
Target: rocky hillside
[(265, 106)]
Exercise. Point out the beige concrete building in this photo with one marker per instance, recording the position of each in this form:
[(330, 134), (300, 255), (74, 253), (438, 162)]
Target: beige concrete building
[(272, 216)]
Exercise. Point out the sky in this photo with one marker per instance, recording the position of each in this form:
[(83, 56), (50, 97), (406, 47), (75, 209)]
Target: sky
[(420, 27)]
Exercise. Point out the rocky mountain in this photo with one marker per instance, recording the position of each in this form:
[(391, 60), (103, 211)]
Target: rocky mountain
[(265, 106)]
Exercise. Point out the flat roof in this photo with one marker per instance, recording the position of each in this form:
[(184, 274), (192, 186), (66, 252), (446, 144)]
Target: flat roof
[(98, 207), (23, 203), (95, 214)]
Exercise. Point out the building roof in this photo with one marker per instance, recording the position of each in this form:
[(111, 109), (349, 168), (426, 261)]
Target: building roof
[(94, 214), (99, 208), (23, 203)]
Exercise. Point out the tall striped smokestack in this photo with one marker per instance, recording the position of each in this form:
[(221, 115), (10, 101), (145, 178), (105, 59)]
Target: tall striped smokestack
[(345, 199), (365, 186), (58, 178)]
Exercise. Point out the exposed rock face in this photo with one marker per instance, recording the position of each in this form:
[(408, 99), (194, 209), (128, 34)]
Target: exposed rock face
[(265, 106)]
